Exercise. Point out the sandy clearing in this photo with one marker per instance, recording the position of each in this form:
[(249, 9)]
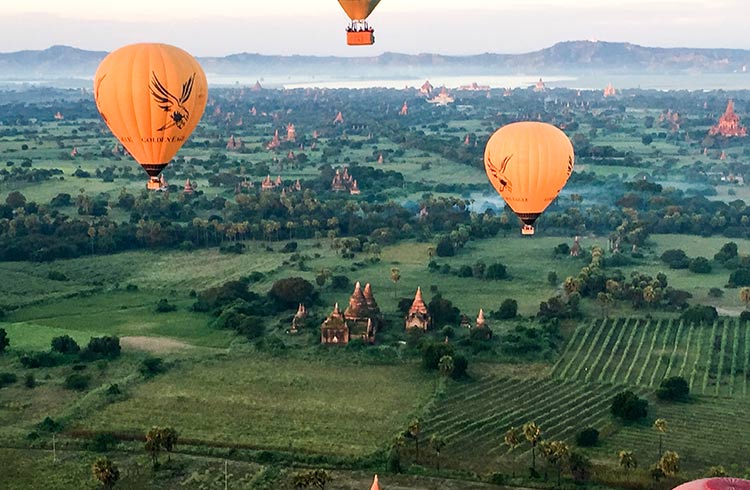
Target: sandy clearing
[(153, 344)]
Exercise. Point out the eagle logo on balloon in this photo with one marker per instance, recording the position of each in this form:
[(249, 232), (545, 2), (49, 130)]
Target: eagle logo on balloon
[(179, 114), (499, 175)]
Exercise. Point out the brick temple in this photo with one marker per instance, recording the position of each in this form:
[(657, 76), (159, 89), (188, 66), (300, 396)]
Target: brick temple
[(729, 124)]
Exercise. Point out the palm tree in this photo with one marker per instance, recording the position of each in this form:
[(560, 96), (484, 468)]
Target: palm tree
[(395, 277), (153, 444), (533, 434), (106, 472), (660, 426), (169, 440), (557, 453), (446, 365), (627, 460), (415, 427), (437, 443), (745, 296), (512, 439), (669, 463)]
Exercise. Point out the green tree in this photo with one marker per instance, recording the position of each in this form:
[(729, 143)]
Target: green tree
[(557, 454), (437, 444), (106, 472), (169, 440), (604, 300), (154, 445), (533, 435), (4, 341), (660, 426)]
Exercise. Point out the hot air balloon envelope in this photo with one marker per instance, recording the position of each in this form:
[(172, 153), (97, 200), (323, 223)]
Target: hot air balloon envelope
[(151, 96), (528, 163), (715, 484)]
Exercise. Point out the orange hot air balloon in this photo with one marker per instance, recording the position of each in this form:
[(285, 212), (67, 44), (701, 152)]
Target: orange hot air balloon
[(359, 33), (151, 96), (528, 163)]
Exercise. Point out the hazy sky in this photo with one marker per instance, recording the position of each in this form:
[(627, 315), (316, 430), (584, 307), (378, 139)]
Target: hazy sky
[(221, 27)]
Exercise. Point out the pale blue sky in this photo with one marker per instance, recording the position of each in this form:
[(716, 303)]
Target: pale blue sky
[(223, 27)]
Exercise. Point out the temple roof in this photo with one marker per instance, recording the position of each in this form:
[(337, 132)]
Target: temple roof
[(357, 303), (375, 484), (418, 305)]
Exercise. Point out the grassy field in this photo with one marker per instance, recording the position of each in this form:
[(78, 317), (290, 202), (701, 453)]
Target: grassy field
[(308, 406)]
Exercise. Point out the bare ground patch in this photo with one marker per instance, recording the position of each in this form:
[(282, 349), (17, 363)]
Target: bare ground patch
[(153, 344)]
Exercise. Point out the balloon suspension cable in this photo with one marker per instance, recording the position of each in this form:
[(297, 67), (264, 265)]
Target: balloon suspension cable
[(527, 230)]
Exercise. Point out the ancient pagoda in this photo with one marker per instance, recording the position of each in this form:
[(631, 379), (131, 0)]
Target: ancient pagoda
[(342, 182), (418, 316), (610, 91), (339, 119), (375, 484), (334, 329), (275, 142), (540, 87), (267, 184), (291, 133), (59, 116), (360, 320), (443, 98), (189, 187), (404, 110), (729, 124), (426, 88)]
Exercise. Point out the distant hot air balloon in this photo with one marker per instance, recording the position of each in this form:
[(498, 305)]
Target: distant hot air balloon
[(715, 484), (151, 96), (359, 33), (528, 163)]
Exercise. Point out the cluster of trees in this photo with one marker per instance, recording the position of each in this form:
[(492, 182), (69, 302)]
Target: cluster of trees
[(64, 349), (480, 270)]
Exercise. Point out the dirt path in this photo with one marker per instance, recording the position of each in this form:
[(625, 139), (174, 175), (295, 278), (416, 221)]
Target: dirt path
[(156, 345)]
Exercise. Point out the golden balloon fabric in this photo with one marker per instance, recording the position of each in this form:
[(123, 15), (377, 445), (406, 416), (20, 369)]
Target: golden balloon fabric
[(528, 163), (151, 96), (358, 9)]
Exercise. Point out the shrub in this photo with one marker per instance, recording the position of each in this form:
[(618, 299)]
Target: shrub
[(700, 265), (465, 271), (40, 359), (102, 347), (341, 283), (674, 389), (628, 406), (676, 259), (588, 437), (745, 316), (496, 271), (562, 249), (77, 382), (728, 251), (49, 425), (7, 379), (460, 366), (65, 344), (445, 248), (101, 443), (700, 314), (163, 306), (290, 247), (443, 312), (114, 390), (716, 292), (152, 366), (4, 341), (739, 278), (56, 276), (552, 278), (29, 381), (508, 309), (433, 352)]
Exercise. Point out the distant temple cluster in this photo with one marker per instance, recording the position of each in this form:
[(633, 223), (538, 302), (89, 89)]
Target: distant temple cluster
[(729, 124), (235, 143), (343, 182), (443, 98), (609, 91)]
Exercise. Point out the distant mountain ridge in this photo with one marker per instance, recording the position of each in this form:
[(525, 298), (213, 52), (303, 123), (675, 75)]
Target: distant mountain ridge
[(563, 57)]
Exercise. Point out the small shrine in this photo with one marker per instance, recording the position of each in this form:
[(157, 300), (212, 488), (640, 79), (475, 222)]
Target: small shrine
[(74, 152), (729, 124), (507, 92), (575, 250), (404, 110), (257, 87), (189, 187), (339, 119), (481, 321), (418, 316), (59, 116), (267, 184), (467, 140), (380, 159), (354, 189), (540, 87), (474, 87), (297, 186), (234, 143), (275, 142), (299, 320), (375, 484), (426, 88), (481, 326), (609, 90), (291, 133)]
